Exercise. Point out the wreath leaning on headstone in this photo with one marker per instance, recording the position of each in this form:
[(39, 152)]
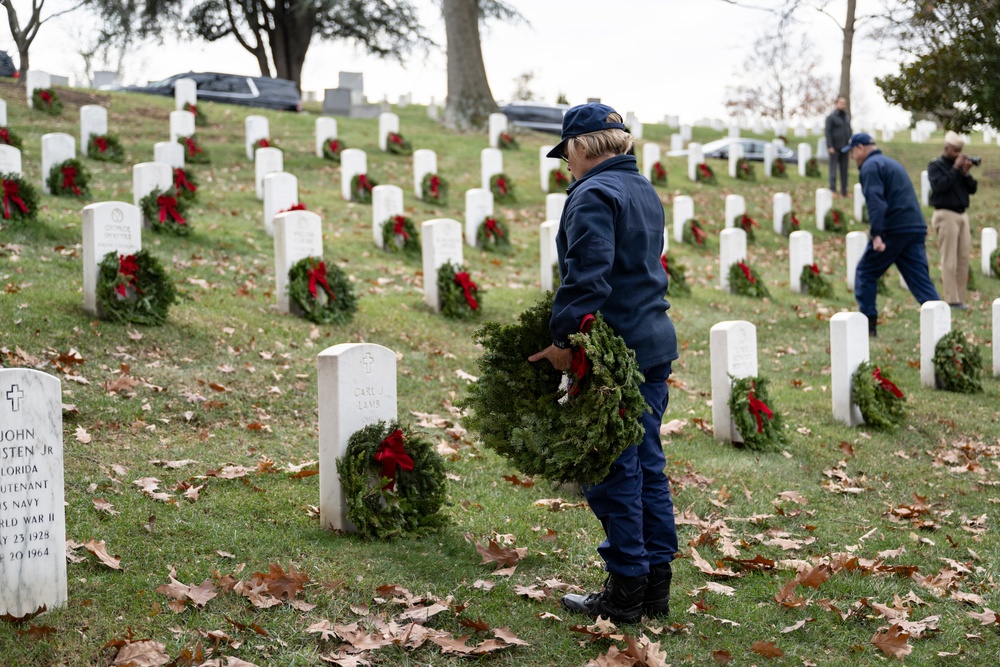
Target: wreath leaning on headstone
[(747, 224), (507, 142), (519, 410), (47, 101), (322, 293), (878, 398), (760, 426), (393, 481), (166, 212), (200, 120), (693, 233), (502, 188), (834, 221), (677, 284), (789, 223), (779, 169), (434, 188), (814, 283), (995, 263), (397, 145), (193, 153), (399, 234), (492, 235), (134, 289), (69, 179), (20, 199), (185, 184), (332, 148), (744, 281), (704, 174), (361, 188), (105, 148), (263, 142), (458, 295), (812, 168), (10, 138), (559, 181), (658, 175), (958, 364), (745, 170)]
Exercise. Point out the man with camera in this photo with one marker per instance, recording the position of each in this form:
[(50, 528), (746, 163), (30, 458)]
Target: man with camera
[(951, 185)]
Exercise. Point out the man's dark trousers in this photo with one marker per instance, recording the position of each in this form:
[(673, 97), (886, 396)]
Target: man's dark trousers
[(839, 161), (633, 502), (907, 252)]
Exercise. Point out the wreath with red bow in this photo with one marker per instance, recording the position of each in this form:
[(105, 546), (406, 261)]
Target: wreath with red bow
[(20, 199), (69, 179), (814, 283), (185, 184), (460, 297), (263, 142), (677, 284), (397, 145), (502, 188), (745, 281), (361, 188), (321, 292), (779, 169), (134, 289), (747, 224), (995, 263), (200, 120), (166, 212), (400, 234), (704, 174), (393, 481), (507, 142), (958, 364), (434, 188), (812, 168), (47, 101), (881, 402), (834, 221), (10, 138), (789, 223), (492, 235), (105, 148), (658, 175), (758, 423), (559, 180), (745, 170), (193, 153), (693, 233), (332, 148)]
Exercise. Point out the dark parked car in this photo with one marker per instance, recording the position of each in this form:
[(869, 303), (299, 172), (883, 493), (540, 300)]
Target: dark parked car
[(536, 116), (251, 91), (6, 64), (753, 150)]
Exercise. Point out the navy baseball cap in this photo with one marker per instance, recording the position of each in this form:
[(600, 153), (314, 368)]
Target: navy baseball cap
[(859, 139), (584, 119)]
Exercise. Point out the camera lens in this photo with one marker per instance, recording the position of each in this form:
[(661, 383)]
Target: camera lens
[(975, 160)]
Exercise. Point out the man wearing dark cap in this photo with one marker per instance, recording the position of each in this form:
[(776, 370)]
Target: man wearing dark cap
[(898, 230), (951, 185), (609, 243)]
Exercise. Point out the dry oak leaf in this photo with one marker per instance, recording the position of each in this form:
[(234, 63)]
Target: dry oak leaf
[(893, 642), (344, 659), (509, 638), (815, 577), (722, 657), (142, 654), (531, 592), (494, 553), (102, 505), (423, 613), (100, 550), (988, 617), (707, 568), (767, 649), (82, 436), (452, 644)]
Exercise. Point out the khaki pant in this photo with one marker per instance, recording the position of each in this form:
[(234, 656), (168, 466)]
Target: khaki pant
[(954, 242)]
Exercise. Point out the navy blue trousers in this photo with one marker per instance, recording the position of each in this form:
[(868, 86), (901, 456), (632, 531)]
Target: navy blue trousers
[(633, 502), (907, 252)]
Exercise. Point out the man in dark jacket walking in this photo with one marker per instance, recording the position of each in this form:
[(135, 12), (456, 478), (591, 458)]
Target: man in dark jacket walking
[(898, 230), (838, 133), (951, 185)]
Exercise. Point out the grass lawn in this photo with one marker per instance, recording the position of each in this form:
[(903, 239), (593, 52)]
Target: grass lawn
[(906, 521)]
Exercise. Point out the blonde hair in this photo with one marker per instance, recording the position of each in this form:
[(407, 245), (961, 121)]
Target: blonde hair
[(604, 142)]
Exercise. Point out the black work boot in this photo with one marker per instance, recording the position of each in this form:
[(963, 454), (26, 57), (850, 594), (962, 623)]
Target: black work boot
[(656, 601), (620, 600), (873, 326)]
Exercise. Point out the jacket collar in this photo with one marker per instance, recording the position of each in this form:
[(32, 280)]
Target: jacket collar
[(622, 162)]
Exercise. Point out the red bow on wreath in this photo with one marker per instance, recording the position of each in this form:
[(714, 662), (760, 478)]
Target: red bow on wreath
[(579, 366), (294, 207), (493, 229), (663, 262), (363, 182), (193, 108), (181, 182), (463, 281), (263, 143), (392, 455), (814, 269), (886, 384), (836, 217), (560, 177), (747, 222), (506, 137), (128, 267), (193, 148), (699, 234), (168, 207), (10, 194), (746, 272), (395, 139), (759, 410), (502, 186), (317, 274), (435, 186), (660, 171), (69, 179), (101, 143), (399, 226), (334, 146), (705, 171), (795, 221), (4, 135), (46, 96)]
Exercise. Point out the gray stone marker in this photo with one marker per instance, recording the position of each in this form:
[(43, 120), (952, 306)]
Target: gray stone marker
[(32, 516)]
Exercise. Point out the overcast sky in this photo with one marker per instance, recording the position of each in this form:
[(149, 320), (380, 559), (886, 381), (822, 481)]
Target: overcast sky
[(653, 57)]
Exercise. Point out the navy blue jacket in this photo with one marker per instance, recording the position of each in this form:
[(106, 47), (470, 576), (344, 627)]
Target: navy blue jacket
[(893, 208), (610, 240)]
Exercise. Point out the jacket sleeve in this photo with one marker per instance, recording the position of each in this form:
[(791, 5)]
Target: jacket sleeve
[(829, 132), (970, 184), (942, 176), (590, 254), (871, 186)]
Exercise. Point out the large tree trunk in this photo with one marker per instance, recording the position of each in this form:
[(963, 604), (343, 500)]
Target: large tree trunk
[(470, 100), (23, 38), (845, 58), (289, 40)]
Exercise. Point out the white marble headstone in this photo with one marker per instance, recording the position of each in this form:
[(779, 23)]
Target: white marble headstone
[(169, 152), (804, 155), (181, 125), (33, 80), (686, 132), (441, 242), (478, 205), (822, 150), (650, 156), (110, 226), (824, 202), (996, 338), (732, 249), (800, 253), (782, 205), (266, 161), (925, 189), (10, 161), (492, 164), (736, 208), (734, 353), (935, 322), (695, 157), (357, 387), (281, 192), (255, 129), (353, 162), (735, 155), (425, 162), (734, 131), (497, 126), (387, 122), (150, 177), (549, 256), (770, 154), (326, 129), (3, 113), (987, 244), (546, 166), (676, 142), (856, 244), (32, 513), (57, 147), (683, 211), (387, 201), (859, 203), (848, 349), (297, 235), (185, 92), (93, 122), (554, 205)]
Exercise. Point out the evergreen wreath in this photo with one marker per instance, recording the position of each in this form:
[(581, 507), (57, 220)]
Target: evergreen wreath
[(10, 138), (393, 481), (458, 295), (995, 263), (834, 221), (882, 286), (658, 175), (200, 119), (779, 169), (745, 170), (397, 145), (263, 142), (693, 233), (880, 401), (704, 174), (434, 188), (47, 101), (812, 168), (361, 188), (105, 148), (185, 185), (20, 199), (502, 188), (677, 284), (166, 212), (332, 148), (399, 234), (744, 281), (864, 213), (789, 223), (761, 427), (747, 224), (134, 289), (69, 179), (559, 181), (492, 235), (519, 410), (958, 364), (194, 154), (815, 283), (322, 293), (506, 142)]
